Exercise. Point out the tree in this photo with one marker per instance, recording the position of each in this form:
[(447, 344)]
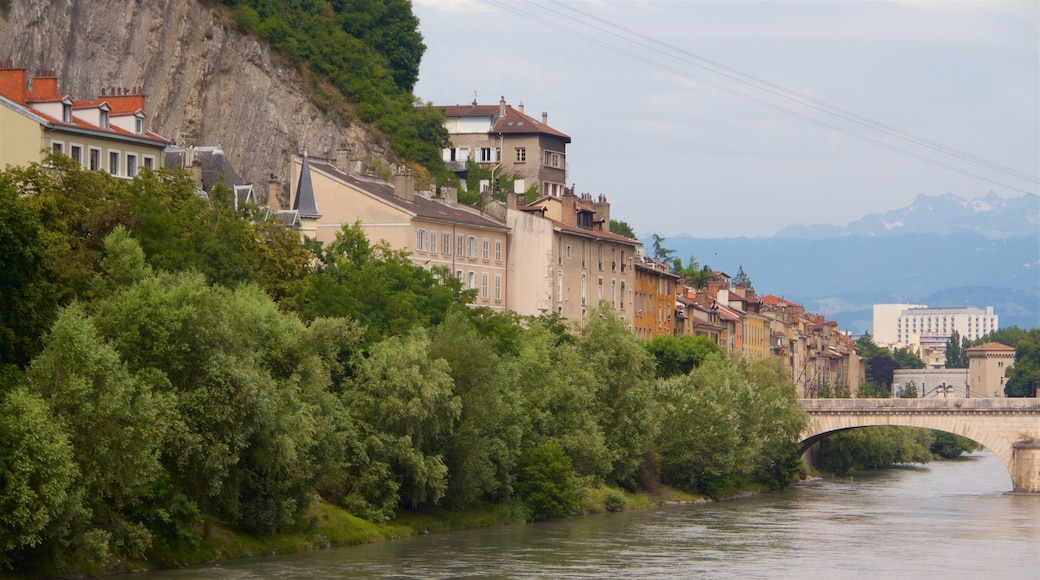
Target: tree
[(679, 355), (1024, 375), (907, 359), (956, 358), (546, 481), (741, 279), (659, 251), (622, 229), (21, 264)]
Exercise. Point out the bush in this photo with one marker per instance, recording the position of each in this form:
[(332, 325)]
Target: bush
[(614, 501)]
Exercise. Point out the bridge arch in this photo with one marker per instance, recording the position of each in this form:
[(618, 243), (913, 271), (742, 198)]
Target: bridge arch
[(1010, 428)]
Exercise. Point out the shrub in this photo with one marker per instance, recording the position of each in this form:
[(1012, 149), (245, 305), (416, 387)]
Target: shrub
[(546, 481), (614, 501)]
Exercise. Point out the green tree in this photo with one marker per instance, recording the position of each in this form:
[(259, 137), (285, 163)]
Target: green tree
[(622, 229), (37, 475), (546, 481), (874, 448), (623, 371), (907, 359), (1007, 336), (659, 251), (742, 279), (1024, 375), (679, 355), (956, 358), (20, 261), (951, 446)]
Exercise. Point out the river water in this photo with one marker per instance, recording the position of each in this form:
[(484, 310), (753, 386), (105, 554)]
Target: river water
[(950, 519)]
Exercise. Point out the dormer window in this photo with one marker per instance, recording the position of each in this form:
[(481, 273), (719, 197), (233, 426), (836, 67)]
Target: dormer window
[(139, 123), (103, 120), (66, 110)]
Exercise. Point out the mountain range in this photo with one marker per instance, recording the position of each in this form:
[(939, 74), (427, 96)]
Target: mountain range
[(942, 250)]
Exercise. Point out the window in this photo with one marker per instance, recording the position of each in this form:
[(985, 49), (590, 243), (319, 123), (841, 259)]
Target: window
[(521, 154), (472, 280), (66, 111), (599, 256), (113, 162), (460, 245), (95, 159), (613, 292), (583, 253), (559, 286), (484, 285), (498, 250), (471, 248), (57, 146), (621, 303), (498, 287), (458, 274), (568, 250), (131, 165), (599, 296), (149, 161), (420, 240), (431, 242), (554, 159), (139, 125), (485, 249), (76, 153), (583, 289), (104, 122), (489, 154), (446, 244)]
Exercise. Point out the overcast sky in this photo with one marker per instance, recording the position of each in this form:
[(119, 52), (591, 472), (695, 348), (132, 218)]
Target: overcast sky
[(694, 117)]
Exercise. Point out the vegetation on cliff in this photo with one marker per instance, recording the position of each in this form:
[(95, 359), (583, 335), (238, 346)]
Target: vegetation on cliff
[(173, 369)]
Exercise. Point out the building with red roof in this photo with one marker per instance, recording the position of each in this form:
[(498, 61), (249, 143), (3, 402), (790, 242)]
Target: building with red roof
[(109, 134)]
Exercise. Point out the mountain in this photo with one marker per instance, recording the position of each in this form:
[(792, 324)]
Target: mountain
[(990, 216), (940, 251)]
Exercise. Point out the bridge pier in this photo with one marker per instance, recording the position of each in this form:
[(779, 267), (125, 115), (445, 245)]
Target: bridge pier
[(1025, 466), (1010, 428)]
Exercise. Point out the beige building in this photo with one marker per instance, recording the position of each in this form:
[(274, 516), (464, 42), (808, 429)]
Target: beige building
[(563, 259), (109, 134), (510, 142), (435, 231), (987, 367)]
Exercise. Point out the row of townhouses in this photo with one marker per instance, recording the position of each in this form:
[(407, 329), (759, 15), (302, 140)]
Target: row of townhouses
[(554, 254)]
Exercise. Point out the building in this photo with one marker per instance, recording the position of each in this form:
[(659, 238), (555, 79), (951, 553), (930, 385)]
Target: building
[(922, 327), (509, 142), (987, 368), (109, 134), (437, 232), (932, 383), (886, 322), (563, 259), (654, 299)]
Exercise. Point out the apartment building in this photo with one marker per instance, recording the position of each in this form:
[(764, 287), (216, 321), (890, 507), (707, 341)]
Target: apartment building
[(505, 138), (564, 259), (654, 299), (435, 231), (109, 134)]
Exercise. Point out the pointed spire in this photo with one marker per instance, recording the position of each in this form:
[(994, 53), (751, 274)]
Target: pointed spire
[(304, 202)]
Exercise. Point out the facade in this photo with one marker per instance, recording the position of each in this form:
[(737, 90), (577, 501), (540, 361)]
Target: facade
[(436, 232), (564, 261), (932, 383), (109, 134), (932, 327), (886, 321), (653, 299), (987, 367), (510, 142)]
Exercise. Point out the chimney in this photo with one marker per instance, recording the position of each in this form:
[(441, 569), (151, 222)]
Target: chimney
[(521, 106), (602, 209), (511, 200), (502, 106), (12, 83), (450, 195), (404, 186), (569, 209), (545, 118), (274, 188)]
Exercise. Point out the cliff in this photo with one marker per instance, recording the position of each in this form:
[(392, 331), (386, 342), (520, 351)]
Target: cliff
[(206, 83)]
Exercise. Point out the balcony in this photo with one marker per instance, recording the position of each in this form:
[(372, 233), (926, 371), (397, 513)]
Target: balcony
[(457, 166)]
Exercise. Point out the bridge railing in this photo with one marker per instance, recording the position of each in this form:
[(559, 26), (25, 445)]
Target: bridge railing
[(978, 404)]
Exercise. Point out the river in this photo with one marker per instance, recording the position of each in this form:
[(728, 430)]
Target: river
[(948, 519)]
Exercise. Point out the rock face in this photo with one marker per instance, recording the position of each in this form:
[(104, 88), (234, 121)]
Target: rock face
[(205, 83)]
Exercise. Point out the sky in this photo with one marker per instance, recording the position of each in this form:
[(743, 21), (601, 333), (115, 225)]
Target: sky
[(738, 118)]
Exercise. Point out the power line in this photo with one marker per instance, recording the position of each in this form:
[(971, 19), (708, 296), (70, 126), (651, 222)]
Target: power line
[(684, 57)]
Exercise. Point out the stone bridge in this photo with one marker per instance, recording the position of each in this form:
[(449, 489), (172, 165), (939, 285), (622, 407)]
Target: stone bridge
[(1010, 428)]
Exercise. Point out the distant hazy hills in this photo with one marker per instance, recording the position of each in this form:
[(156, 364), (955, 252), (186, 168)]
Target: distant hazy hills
[(941, 251)]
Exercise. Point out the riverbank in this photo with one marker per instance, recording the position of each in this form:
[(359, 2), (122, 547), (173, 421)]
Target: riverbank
[(326, 526)]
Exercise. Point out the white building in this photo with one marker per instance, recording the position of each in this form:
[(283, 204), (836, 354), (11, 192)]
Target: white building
[(934, 326), (886, 321)]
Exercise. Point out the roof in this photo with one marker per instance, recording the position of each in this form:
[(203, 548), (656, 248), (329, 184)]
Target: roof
[(991, 347), (216, 167), (420, 206), (304, 202), (599, 234), (513, 122)]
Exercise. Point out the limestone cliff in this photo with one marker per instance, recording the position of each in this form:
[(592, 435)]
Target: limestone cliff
[(206, 83)]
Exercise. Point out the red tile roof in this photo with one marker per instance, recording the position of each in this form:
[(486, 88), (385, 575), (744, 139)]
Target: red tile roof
[(513, 122)]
